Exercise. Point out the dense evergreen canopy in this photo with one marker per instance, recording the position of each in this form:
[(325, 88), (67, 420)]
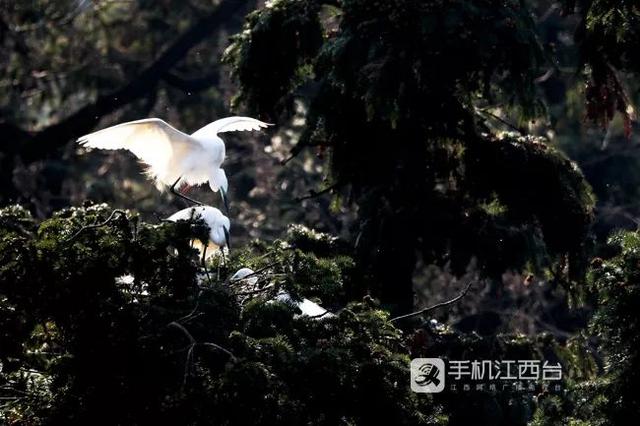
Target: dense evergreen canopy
[(400, 93), (419, 144)]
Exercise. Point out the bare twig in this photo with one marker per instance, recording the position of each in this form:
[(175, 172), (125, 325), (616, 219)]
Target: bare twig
[(191, 349), (194, 311), (289, 158), (217, 347), (501, 120), (194, 343), (184, 330), (18, 391), (326, 312), (431, 308), (97, 225), (250, 292), (315, 194), (187, 365), (258, 272), (544, 77)]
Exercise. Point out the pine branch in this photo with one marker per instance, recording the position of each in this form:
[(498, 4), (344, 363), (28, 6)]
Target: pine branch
[(434, 307), (315, 194), (110, 219)]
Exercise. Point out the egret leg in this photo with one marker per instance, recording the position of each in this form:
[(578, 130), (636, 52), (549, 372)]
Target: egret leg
[(224, 257), (224, 261), (204, 264), (172, 189)]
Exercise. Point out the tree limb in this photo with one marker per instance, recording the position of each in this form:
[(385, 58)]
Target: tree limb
[(180, 327), (431, 308), (110, 219), (192, 345), (501, 120), (315, 194)]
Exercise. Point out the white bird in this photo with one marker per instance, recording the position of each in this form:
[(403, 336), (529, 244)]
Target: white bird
[(308, 308), (218, 225), (173, 157), (243, 273)]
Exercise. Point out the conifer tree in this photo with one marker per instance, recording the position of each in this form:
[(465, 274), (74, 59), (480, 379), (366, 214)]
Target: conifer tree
[(401, 93)]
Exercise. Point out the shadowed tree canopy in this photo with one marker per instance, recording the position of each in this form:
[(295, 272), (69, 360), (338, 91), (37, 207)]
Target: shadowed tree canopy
[(403, 95), (445, 125), (607, 32), (119, 325)]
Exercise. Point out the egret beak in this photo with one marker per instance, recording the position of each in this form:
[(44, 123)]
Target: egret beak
[(225, 200), (227, 237)]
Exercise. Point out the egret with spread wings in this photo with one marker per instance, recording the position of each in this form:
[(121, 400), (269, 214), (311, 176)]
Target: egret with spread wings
[(173, 157)]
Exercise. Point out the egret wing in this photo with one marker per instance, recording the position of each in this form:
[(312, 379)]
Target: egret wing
[(231, 124), (152, 140), (187, 214)]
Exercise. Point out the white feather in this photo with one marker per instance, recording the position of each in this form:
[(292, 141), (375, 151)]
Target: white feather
[(230, 124), (308, 308), (217, 222), (160, 146), (171, 154), (243, 273)]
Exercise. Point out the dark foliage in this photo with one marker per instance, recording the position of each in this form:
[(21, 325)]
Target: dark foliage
[(400, 94), (608, 32), (83, 344), (445, 125), (617, 324)]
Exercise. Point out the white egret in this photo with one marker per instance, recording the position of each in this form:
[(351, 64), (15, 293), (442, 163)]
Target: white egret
[(126, 280), (218, 225), (243, 273), (173, 157), (308, 308)]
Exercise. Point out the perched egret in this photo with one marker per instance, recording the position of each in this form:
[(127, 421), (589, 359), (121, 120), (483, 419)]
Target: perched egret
[(242, 274), (125, 280), (308, 308), (173, 157), (218, 225)]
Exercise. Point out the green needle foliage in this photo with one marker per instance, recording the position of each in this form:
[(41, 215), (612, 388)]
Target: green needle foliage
[(608, 32), (617, 323), (400, 93), (117, 322), (82, 343), (610, 398)]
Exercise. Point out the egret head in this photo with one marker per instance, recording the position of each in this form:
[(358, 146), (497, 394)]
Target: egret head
[(219, 226), (217, 222), (243, 273)]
